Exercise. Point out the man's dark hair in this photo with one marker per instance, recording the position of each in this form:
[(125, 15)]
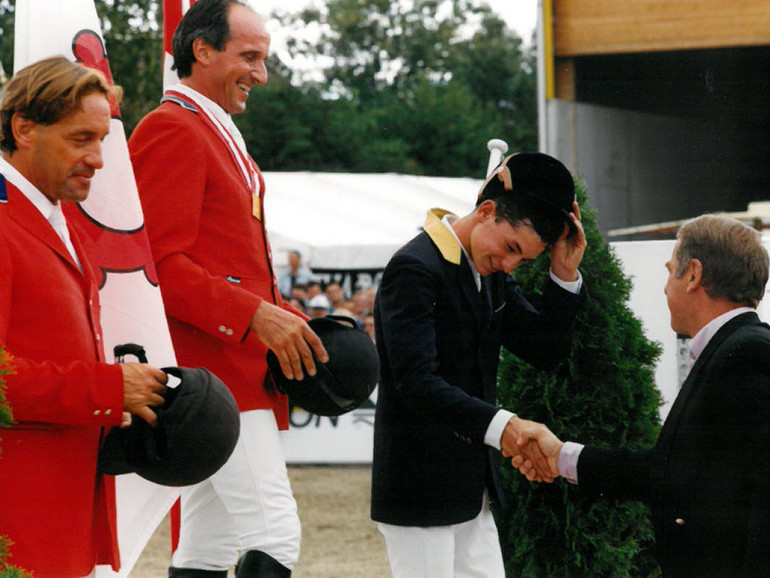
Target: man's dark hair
[(207, 20), (547, 223), (533, 189)]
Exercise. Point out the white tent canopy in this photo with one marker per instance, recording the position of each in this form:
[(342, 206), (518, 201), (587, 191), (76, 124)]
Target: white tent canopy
[(354, 221)]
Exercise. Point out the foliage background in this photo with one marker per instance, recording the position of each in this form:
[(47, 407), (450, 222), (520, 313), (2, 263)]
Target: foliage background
[(603, 394), (410, 87), (6, 419)]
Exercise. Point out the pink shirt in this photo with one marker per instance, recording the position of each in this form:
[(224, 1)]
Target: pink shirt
[(570, 452)]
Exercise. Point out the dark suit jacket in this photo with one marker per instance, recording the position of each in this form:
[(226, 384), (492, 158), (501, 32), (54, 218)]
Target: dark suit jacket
[(439, 344), (707, 480)]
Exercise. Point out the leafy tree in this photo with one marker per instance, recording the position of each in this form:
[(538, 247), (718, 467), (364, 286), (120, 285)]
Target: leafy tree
[(500, 71), (133, 35), (411, 87), (603, 394), (6, 419), (6, 38), (134, 39), (6, 570), (422, 80)]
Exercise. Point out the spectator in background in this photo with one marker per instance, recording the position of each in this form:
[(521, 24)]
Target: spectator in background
[(314, 288), (298, 304), (369, 295), (335, 295), (296, 275), (369, 324), (318, 306), (360, 306), (299, 292)]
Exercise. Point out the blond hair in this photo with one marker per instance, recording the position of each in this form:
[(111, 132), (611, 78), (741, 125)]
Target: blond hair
[(48, 91)]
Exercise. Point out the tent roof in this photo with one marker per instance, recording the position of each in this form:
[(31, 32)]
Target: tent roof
[(355, 221)]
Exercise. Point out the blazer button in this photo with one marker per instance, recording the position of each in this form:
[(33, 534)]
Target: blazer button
[(97, 412), (679, 521), (222, 328)]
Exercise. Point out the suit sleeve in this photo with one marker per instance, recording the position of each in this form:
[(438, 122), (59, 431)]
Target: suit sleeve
[(407, 307), (170, 162), (619, 473), (74, 393), (548, 329)]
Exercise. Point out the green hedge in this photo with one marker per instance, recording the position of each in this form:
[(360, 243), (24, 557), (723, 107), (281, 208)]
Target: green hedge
[(603, 394)]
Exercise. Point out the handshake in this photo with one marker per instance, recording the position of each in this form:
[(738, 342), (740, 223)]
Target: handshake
[(533, 449)]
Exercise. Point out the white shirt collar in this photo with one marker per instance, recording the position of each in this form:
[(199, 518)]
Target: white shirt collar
[(38, 199), (702, 338), (448, 219), (215, 110)]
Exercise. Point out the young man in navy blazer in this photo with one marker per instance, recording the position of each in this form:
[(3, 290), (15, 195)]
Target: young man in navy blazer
[(445, 305)]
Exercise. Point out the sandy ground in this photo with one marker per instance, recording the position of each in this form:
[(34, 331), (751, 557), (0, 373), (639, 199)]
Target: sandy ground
[(338, 538)]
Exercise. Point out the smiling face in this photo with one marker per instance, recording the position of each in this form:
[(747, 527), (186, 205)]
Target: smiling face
[(230, 74), (60, 159), (496, 245)]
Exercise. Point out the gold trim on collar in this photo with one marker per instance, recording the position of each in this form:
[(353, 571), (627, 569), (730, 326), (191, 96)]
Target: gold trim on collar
[(442, 237)]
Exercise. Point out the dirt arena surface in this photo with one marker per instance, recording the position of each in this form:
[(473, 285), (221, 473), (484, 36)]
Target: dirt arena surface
[(338, 538)]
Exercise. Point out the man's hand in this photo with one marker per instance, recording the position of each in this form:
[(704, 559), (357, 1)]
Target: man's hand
[(290, 338), (567, 253), (520, 441), (142, 389), (547, 443)]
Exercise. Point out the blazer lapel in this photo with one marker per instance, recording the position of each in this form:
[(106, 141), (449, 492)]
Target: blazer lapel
[(477, 300), (693, 380), (28, 217)]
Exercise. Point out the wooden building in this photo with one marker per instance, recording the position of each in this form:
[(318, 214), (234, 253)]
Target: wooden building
[(663, 106)]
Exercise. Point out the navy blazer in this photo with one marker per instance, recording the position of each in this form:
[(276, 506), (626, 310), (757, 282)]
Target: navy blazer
[(707, 480), (439, 341)]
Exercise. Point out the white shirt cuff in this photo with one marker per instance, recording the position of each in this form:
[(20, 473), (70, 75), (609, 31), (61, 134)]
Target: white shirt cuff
[(571, 286), (496, 428), (568, 460)]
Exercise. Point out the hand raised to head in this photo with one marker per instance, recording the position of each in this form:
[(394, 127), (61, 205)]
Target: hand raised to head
[(567, 252)]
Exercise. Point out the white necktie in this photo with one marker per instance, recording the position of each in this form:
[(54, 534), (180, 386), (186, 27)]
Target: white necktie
[(59, 224)]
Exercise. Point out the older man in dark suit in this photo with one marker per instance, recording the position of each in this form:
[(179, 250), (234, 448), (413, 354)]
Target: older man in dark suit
[(707, 480), (445, 305)]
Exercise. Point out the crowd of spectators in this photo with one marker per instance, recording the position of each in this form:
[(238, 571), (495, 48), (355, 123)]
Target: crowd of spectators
[(306, 293)]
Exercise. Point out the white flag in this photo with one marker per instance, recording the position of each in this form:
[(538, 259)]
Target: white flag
[(173, 10), (111, 226)]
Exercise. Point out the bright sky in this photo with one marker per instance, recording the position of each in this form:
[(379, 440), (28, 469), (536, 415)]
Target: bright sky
[(520, 15)]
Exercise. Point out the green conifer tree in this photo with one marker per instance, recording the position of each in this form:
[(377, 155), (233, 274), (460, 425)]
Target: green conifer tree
[(6, 419), (604, 394)]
